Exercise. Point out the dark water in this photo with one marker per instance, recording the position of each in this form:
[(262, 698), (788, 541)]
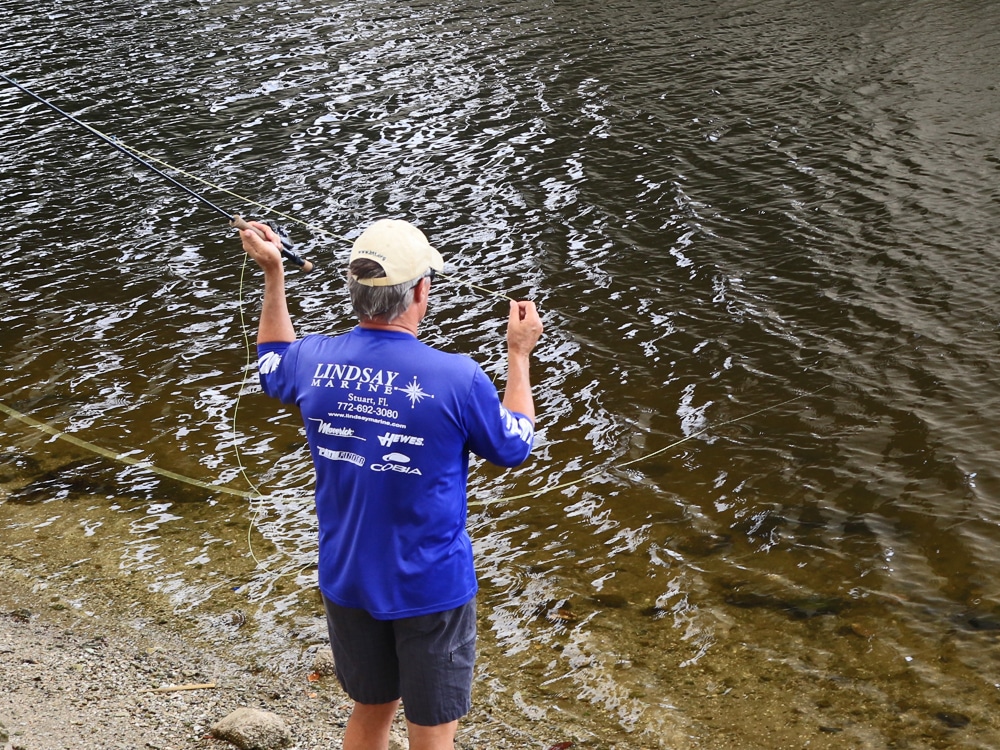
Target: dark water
[(718, 207)]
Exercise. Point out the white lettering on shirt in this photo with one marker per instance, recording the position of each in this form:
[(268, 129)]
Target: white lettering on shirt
[(330, 374), (352, 458), (390, 438)]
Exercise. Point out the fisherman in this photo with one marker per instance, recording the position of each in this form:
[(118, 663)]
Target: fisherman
[(390, 423)]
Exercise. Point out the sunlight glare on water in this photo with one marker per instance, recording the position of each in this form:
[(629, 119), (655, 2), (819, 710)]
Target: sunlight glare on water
[(764, 508)]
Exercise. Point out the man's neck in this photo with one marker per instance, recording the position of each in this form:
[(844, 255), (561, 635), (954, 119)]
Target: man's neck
[(409, 320), (398, 325)]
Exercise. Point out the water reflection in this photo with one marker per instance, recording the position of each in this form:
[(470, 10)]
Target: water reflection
[(717, 209)]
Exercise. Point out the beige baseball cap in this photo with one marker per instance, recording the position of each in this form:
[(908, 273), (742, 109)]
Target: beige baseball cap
[(400, 248)]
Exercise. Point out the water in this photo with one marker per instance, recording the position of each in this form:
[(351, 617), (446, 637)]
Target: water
[(718, 208)]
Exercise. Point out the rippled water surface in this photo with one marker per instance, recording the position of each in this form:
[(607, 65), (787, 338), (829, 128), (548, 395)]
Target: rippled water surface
[(765, 506)]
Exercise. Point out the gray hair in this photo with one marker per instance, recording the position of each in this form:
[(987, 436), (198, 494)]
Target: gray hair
[(385, 303)]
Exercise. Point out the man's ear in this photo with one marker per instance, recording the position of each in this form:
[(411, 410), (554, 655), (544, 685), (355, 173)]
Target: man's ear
[(422, 290)]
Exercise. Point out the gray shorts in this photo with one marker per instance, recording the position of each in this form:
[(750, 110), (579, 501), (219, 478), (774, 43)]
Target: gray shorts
[(427, 661)]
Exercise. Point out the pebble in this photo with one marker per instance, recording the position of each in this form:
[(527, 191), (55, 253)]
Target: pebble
[(323, 662)]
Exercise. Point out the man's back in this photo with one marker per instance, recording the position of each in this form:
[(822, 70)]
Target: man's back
[(390, 423)]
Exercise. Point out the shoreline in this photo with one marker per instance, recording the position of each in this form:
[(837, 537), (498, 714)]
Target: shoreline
[(71, 678)]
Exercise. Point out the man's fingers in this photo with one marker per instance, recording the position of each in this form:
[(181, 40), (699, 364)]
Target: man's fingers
[(264, 251), (524, 327), (262, 232), (521, 310), (525, 312)]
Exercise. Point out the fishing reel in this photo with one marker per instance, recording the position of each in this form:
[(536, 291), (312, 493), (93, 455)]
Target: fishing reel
[(286, 242), (282, 232)]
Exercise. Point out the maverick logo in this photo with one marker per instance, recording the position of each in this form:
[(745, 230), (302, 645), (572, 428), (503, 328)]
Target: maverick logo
[(354, 378), (325, 428), (390, 438), (396, 462)]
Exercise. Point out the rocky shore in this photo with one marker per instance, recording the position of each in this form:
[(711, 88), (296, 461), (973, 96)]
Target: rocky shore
[(114, 681)]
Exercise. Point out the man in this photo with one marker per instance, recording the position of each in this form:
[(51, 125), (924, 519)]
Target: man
[(390, 423)]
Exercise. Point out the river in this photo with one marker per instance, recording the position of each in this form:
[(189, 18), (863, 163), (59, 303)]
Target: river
[(764, 509)]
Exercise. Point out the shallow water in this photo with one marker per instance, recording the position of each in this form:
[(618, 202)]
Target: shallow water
[(765, 506)]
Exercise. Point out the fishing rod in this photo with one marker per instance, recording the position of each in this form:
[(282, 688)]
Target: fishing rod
[(235, 220)]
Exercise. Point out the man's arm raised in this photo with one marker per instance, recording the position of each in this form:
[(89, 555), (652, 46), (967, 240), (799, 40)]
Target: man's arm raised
[(275, 322), (524, 328)]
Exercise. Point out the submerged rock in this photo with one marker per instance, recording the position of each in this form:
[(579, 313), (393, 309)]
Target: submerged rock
[(611, 601), (814, 606), (654, 611), (15, 465), (953, 719), (980, 620), (81, 477), (702, 545), (800, 607)]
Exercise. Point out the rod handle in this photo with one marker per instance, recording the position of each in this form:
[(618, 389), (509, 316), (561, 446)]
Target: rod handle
[(238, 222)]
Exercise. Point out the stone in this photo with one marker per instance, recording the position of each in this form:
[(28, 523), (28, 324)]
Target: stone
[(252, 729), (323, 662)]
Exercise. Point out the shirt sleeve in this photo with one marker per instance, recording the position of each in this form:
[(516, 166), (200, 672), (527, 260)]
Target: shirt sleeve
[(501, 436), (276, 371)]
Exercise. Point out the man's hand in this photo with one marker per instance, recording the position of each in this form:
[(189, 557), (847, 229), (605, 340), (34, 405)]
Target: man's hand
[(275, 322), (266, 250), (524, 328)]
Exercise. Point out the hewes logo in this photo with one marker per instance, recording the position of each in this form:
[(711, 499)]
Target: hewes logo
[(390, 438)]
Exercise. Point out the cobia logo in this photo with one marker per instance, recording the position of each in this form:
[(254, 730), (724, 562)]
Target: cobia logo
[(396, 462)]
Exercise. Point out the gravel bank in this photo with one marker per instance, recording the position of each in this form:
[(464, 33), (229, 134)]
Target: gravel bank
[(99, 681)]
